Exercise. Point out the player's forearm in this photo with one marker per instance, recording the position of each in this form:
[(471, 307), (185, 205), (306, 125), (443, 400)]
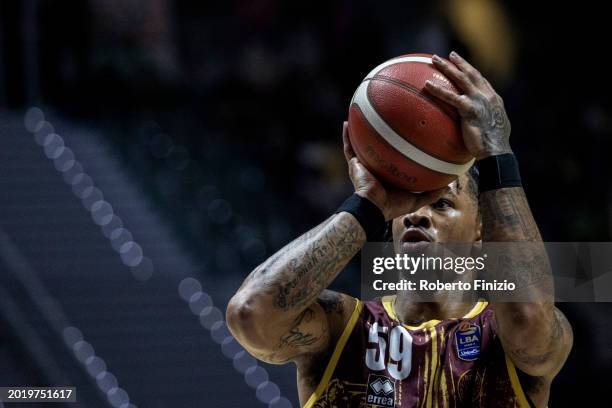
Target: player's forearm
[(528, 329), (298, 273), (285, 285), (506, 217)]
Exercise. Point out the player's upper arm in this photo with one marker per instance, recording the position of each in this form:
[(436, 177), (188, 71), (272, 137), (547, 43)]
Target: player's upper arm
[(540, 349), (278, 340)]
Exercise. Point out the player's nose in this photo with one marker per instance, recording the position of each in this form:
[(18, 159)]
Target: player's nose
[(420, 218)]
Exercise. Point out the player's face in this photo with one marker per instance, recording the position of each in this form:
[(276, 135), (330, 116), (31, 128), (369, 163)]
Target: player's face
[(453, 218)]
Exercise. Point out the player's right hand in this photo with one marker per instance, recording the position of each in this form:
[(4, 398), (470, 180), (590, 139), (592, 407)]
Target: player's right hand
[(391, 201)]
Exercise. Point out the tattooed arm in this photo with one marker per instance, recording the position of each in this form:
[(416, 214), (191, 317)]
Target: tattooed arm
[(535, 335), (275, 314), (281, 312)]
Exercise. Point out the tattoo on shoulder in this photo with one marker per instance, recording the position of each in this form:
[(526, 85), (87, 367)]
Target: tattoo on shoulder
[(295, 337), (331, 302), (300, 335)]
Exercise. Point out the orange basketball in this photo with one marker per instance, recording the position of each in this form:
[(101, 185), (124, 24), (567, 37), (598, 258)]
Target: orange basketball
[(402, 134)]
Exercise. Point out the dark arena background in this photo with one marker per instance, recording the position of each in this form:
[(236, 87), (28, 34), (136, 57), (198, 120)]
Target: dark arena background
[(153, 152)]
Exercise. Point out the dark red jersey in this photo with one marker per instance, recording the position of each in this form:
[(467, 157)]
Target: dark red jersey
[(379, 362)]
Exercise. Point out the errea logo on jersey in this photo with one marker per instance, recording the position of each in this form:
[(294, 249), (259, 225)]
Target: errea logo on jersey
[(381, 391)]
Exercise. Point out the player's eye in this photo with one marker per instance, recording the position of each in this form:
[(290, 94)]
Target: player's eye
[(443, 204)]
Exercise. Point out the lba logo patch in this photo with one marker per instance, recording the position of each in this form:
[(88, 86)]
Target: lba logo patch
[(467, 338), (381, 391)]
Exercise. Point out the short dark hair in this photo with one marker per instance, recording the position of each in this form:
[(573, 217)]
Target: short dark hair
[(472, 185), (473, 179)]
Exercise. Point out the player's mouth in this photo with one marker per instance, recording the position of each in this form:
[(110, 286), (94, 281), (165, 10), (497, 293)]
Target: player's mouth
[(415, 239)]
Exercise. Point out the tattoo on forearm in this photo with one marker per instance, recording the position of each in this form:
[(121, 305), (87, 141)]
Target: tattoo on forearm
[(311, 264), (526, 267), (269, 264), (291, 281), (506, 216)]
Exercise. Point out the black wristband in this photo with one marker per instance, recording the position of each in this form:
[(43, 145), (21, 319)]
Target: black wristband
[(367, 213), (497, 172)]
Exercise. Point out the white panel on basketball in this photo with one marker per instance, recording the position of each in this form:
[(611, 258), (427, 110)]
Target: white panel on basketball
[(425, 60), (360, 98)]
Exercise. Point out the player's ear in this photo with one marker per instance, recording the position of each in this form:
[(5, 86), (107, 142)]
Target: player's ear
[(478, 231), (477, 245)]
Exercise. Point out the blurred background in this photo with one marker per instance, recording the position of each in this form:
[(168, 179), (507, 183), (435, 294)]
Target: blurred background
[(153, 152)]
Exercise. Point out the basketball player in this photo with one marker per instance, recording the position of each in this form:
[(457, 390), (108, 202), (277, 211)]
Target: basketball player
[(398, 351)]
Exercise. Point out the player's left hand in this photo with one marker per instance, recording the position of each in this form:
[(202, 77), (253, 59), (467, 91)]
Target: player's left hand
[(484, 123)]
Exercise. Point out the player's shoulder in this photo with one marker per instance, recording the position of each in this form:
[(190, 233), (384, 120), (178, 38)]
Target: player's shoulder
[(338, 308), (344, 311)]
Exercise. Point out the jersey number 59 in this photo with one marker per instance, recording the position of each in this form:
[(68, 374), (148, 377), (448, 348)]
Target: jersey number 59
[(400, 351)]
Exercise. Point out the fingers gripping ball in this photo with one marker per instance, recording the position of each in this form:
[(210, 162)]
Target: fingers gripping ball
[(402, 134)]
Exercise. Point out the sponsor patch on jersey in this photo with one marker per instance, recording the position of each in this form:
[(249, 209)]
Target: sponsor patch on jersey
[(467, 338), (381, 391)]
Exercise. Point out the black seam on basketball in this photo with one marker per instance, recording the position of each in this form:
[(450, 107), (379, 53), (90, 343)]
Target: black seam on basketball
[(391, 146), (436, 103), (458, 163)]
